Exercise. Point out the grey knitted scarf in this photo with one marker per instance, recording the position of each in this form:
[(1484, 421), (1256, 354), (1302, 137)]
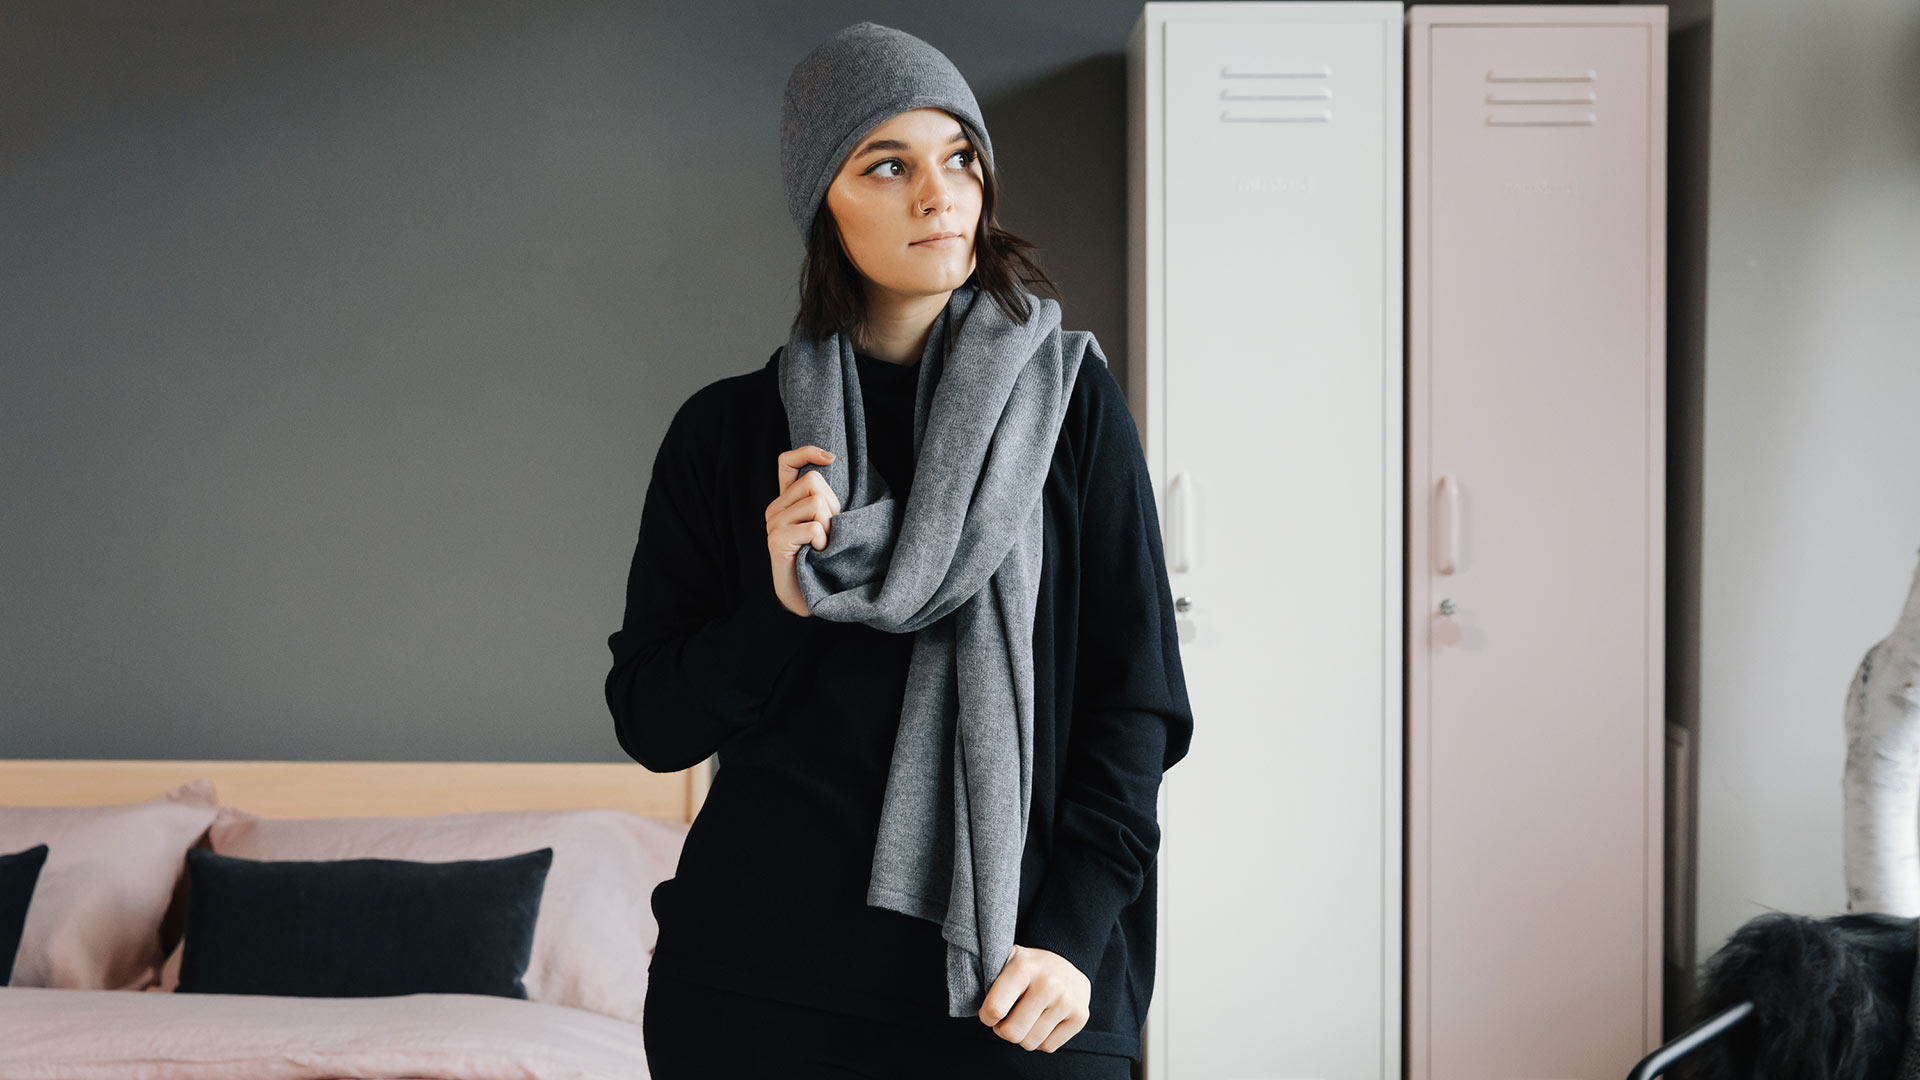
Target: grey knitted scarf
[(958, 566)]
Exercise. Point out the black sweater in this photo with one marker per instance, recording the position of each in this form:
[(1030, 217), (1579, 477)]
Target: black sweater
[(769, 894)]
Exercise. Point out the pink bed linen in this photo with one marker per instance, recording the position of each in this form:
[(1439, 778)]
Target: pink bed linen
[(48, 1033)]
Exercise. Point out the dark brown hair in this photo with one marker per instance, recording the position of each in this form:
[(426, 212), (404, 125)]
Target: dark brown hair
[(832, 295)]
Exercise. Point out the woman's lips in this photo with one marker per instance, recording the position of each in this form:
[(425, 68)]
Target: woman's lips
[(943, 241)]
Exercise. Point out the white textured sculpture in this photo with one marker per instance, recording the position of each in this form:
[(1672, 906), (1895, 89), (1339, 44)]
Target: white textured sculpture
[(1882, 782)]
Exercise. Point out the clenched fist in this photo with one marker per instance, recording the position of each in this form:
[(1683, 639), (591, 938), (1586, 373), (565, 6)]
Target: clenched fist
[(1040, 1000)]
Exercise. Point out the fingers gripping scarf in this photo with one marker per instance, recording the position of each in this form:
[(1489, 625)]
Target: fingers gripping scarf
[(967, 544)]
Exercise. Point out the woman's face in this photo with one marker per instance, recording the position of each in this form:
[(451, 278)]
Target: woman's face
[(918, 159)]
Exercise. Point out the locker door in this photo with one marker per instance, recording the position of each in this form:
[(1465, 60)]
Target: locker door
[(1282, 379), (1537, 429)]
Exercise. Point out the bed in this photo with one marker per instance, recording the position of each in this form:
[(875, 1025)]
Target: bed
[(97, 990)]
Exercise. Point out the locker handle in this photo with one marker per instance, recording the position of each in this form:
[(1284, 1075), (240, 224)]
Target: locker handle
[(1180, 515), (1447, 534)]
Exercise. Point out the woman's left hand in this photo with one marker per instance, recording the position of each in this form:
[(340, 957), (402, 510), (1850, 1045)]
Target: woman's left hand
[(1039, 1000)]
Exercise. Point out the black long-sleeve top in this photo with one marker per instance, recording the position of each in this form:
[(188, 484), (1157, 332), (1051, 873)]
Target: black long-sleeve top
[(769, 894)]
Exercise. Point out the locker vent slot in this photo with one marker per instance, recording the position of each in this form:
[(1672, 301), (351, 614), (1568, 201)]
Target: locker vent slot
[(1292, 90), (1520, 105), (1588, 75)]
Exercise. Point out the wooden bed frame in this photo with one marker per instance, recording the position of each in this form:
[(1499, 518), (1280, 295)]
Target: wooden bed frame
[(364, 788)]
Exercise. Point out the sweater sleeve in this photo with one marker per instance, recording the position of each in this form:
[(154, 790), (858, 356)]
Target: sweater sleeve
[(1132, 720), (691, 667)]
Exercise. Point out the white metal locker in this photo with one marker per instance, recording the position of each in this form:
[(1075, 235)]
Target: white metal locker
[(1265, 371)]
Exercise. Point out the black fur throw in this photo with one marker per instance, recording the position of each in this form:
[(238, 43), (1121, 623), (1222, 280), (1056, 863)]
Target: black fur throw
[(1830, 999)]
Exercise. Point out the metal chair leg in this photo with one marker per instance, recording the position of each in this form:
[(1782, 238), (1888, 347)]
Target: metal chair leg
[(1699, 1035)]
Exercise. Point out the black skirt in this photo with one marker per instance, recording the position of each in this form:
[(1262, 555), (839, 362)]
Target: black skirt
[(697, 1031)]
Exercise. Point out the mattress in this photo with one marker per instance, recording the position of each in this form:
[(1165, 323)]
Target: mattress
[(48, 1033)]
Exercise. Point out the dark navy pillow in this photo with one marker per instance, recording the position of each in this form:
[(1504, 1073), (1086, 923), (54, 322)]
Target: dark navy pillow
[(360, 927), (18, 872)]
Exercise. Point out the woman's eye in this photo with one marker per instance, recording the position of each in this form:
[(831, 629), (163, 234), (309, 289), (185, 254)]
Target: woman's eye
[(895, 163)]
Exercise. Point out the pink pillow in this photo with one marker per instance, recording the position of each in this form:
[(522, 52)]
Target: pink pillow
[(595, 933), (98, 918), (170, 971)]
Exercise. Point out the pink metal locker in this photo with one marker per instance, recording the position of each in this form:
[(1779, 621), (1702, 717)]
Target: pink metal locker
[(1535, 521)]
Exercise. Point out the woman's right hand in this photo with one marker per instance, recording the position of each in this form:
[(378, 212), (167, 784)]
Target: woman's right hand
[(800, 515)]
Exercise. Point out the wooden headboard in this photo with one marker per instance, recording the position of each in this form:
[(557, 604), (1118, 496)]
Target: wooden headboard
[(364, 788)]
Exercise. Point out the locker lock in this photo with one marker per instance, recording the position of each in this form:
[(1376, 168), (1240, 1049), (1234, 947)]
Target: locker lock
[(1447, 606), (1182, 603)]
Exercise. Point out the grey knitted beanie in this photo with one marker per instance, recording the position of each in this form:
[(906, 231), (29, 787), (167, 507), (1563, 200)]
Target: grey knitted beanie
[(848, 85)]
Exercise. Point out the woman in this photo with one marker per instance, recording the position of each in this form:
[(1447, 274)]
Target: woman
[(946, 690)]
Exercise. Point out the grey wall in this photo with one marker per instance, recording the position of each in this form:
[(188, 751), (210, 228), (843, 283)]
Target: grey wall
[(336, 339), (1810, 497), (1689, 85)]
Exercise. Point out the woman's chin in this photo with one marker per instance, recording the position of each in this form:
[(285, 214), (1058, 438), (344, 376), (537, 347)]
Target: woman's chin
[(929, 280)]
